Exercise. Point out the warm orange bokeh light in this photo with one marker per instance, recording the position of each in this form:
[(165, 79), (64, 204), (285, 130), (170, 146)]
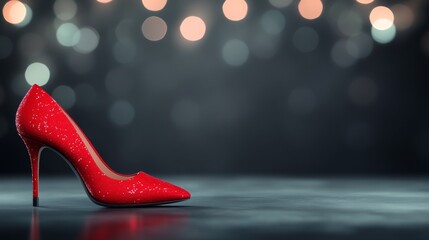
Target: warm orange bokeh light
[(14, 12), (381, 18), (365, 1), (235, 10), (154, 5), (193, 28), (104, 1), (310, 9)]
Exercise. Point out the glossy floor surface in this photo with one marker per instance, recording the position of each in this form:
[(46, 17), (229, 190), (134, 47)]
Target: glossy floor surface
[(225, 208)]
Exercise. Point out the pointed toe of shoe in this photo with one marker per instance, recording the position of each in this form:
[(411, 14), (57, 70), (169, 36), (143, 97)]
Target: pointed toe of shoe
[(160, 191)]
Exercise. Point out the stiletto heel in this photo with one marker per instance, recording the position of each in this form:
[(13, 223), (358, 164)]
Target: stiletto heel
[(34, 148), (41, 123)]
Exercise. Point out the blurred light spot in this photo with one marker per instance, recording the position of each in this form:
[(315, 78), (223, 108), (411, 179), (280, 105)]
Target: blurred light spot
[(280, 3), (65, 96), (404, 16), (235, 10), (65, 9), (193, 28), (305, 39), (119, 83), (88, 40), (4, 126), (121, 113), (27, 18), (81, 64), (5, 47), (124, 30), (154, 5), (302, 101), (383, 36), (273, 22), (37, 73), (104, 1), (124, 51), (86, 95), (185, 114), (14, 12), (350, 23), (359, 46), (381, 18), (340, 55), (68, 34), (154, 28), (425, 43), (362, 91), (235, 52), (365, 1), (310, 9)]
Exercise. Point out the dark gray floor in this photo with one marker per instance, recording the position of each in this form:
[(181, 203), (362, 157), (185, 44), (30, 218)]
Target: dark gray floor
[(226, 208)]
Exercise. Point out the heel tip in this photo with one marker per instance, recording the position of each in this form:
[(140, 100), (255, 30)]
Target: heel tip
[(35, 202)]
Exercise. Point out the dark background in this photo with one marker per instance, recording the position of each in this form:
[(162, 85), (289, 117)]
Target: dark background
[(282, 112)]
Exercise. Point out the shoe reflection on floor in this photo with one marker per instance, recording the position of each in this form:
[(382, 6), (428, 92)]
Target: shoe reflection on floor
[(122, 224)]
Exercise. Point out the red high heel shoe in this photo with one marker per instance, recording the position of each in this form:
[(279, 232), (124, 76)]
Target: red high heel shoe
[(41, 123)]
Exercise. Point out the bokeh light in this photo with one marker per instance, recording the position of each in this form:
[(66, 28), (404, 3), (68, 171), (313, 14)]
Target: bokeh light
[(193, 28), (65, 96), (359, 46), (350, 23), (14, 12), (235, 10), (121, 113), (65, 9), (235, 52), (104, 1), (381, 18), (88, 40), (365, 1), (273, 22), (383, 36), (310, 9), (280, 3), (154, 28), (5, 47), (305, 39), (340, 54), (154, 5), (37, 73), (404, 16), (68, 35)]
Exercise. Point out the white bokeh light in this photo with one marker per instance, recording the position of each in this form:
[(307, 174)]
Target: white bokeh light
[(37, 73), (68, 35), (88, 40)]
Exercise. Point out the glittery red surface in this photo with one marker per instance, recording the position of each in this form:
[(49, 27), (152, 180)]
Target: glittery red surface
[(41, 122)]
